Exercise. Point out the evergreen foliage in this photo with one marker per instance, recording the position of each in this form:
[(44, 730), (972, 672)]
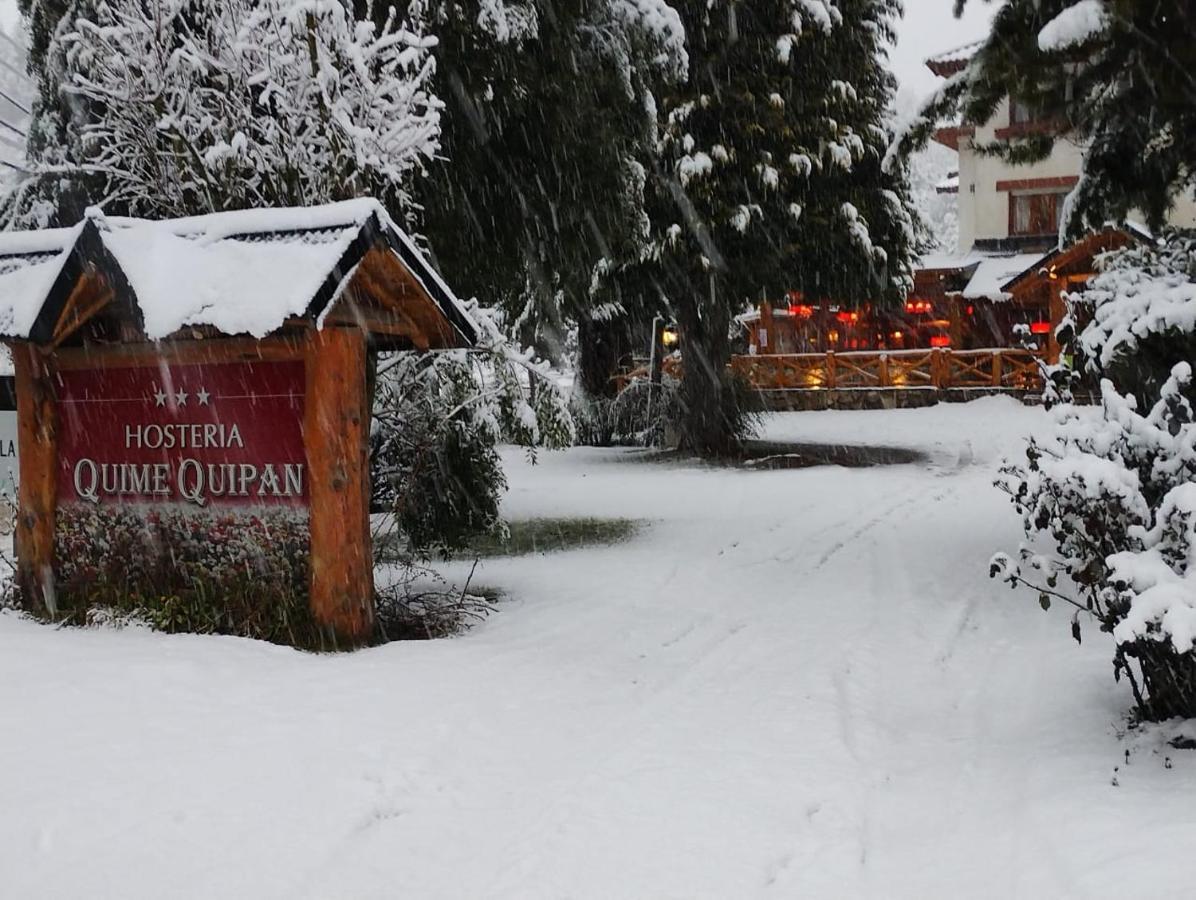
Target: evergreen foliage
[(548, 122), (770, 180), (1114, 75)]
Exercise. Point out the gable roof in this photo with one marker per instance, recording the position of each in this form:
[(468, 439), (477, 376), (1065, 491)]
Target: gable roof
[(241, 272)]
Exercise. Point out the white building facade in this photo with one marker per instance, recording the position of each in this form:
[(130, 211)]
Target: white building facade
[(1005, 207)]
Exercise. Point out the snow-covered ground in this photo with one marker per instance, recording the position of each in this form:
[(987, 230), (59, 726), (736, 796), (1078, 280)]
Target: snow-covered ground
[(790, 684)]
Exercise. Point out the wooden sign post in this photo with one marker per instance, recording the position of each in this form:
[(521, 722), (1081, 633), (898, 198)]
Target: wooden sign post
[(248, 455)]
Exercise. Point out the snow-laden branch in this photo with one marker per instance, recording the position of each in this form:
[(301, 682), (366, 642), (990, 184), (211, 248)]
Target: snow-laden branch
[(221, 104)]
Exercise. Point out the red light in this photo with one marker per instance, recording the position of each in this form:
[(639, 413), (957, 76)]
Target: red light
[(847, 317), (801, 310), (1040, 328), (918, 306), (940, 340), (971, 310)]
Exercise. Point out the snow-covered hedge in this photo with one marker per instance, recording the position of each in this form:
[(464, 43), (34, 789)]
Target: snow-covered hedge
[(1115, 492), (202, 571)]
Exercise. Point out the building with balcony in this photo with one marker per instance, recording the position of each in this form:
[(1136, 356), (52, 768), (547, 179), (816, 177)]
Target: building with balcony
[(1008, 267)]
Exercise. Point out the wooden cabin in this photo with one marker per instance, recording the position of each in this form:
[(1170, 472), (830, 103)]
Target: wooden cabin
[(977, 322)]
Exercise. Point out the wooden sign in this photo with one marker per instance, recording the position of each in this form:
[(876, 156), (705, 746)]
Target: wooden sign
[(271, 433), (215, 435)]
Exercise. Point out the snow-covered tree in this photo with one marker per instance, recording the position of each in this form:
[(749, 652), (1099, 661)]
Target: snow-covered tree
[(771, 181), (1114, 75), (547, 128), (931, 170), (185, 106), (434, 447), (17, 95), (1116, 493)]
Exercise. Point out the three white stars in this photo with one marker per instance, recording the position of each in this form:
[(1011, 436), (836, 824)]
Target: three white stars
[(202, 396)]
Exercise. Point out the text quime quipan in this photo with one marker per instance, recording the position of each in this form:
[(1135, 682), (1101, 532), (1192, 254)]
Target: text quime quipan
[(187, 478)]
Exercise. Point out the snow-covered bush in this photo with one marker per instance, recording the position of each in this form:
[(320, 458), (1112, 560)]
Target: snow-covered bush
[(200, 571), (185, 106), (438, 420), (1116, 492)]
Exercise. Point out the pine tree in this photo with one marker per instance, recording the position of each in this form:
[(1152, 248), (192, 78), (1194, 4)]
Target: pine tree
[(549, 118), (771, 180), (1115, 76)]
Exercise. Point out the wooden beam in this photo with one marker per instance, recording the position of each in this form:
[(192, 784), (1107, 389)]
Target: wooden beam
[(89, 296), (336, 426), (407, 294), (37, 438), (1057, 310), (1054, 183), (955, 318), (380, 278)]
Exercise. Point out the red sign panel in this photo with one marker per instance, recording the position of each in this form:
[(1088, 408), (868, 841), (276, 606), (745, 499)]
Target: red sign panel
[(223, 434)]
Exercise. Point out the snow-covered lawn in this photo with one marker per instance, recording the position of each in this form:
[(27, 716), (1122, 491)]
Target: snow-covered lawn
[(790, 684)]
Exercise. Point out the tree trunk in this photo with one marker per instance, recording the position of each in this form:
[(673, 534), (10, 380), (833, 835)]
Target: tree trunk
[(601, 346), (710, 418)]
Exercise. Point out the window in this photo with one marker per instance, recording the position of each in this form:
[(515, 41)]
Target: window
[(1022, 113), (1035, 214)]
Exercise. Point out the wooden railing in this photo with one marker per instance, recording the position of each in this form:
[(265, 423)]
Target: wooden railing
[(997, 368)]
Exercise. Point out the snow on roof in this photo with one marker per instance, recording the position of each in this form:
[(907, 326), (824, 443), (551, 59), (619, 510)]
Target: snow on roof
[(938, 261), (241, 272), (995, 271), (753, 314), (264, 221), (1075, 25), (30, 263), (953, 60), (991, 271), (236, 286)]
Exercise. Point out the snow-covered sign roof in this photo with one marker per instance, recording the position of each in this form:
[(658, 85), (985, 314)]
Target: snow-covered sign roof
[(951, 61), (242, 272)]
